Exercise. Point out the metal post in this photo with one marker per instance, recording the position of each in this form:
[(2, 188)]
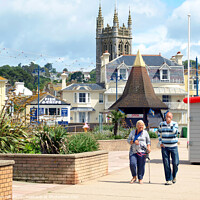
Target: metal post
[(116, 83), (188, 111), (38, 94), (197, 80)]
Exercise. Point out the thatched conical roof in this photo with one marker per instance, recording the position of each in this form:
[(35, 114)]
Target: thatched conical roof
[(139, 92)]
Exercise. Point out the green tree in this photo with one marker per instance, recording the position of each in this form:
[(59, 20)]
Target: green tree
[(48, 66), (77, 76), (93, 76), (116, 117), (53, 70), (65, 69), (192, 64)]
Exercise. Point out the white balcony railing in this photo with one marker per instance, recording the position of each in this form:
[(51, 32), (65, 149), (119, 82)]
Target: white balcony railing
[(167, 81), (171, 105), (176, 105)]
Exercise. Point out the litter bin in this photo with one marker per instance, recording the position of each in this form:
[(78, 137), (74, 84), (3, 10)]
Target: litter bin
[(184, 131)]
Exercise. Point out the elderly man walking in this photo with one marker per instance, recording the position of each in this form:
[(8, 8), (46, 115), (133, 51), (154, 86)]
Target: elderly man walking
[(168, 138)]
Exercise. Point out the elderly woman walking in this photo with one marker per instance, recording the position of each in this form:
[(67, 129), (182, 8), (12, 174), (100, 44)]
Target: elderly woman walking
[(140, 145)]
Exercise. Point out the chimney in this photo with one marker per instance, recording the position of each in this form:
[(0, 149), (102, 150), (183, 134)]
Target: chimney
[(179, 57), (105, 58), (63, 76), (173, 59)]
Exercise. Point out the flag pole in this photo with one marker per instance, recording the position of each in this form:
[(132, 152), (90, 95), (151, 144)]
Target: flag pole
[(188, 111)]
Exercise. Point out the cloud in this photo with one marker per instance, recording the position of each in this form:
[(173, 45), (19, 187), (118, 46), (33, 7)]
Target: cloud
[(67, 29)]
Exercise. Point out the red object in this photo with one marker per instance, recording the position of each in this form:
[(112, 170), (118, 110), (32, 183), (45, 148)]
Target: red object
[(192, 99)]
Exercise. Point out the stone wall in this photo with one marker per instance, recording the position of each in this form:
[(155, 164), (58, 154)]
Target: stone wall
[(121, 145), (6, 176), (59, 169)]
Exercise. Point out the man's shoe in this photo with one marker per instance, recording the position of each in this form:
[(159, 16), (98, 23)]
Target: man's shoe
[(168, 183), (174, 180)]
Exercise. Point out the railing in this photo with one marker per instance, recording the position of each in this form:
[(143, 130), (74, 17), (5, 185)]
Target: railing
[(167, 81), (176, 105)]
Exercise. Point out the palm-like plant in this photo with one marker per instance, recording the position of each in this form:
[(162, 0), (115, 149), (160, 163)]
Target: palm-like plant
[(51, 139), (116, 117)]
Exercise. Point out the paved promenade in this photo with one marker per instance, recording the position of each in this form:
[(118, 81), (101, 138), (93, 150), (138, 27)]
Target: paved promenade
[(116, 185)]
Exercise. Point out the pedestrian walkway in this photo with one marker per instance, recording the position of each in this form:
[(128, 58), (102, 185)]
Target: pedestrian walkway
[(116, 185)]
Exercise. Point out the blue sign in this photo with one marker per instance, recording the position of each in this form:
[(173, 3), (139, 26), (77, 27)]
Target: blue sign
[(64, 112), (33, 113), (64, 123)]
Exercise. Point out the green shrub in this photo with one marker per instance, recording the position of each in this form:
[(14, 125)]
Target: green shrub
[(152, 134), (82, 142), (50, 139), (13, 135)]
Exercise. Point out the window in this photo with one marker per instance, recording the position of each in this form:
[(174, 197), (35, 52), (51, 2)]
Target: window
[(166, 98), (126, 48), (122, 73), (100, 97), (120, 48), (82, 117), (52, 111), (165, 74), (110, 51), (82, 97)]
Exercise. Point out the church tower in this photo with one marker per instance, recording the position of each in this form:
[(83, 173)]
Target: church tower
[(116, 40)]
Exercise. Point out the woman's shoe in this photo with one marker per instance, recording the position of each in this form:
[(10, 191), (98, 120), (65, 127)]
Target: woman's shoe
[(133, 180), (140, 181)]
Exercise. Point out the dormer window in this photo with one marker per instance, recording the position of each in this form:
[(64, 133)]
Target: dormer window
[(123, 73), (164, 72)]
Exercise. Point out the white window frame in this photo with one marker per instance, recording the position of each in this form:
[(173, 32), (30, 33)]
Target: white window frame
[(101, 98), (77, 97), (167, 97), (161, 75), (122, 66)]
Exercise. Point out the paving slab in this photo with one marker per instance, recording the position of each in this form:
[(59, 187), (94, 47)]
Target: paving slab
[(116, 184)]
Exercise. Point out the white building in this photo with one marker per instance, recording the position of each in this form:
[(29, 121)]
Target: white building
[(22, 90)]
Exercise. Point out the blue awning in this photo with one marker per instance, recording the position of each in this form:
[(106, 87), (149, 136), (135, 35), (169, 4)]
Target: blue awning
[(83, 109)]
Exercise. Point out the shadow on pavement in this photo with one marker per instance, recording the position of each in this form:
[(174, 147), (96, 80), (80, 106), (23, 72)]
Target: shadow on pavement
[(128, 182), (183, 162)]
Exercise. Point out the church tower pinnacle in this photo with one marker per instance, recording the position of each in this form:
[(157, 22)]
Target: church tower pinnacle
[(114, 39)]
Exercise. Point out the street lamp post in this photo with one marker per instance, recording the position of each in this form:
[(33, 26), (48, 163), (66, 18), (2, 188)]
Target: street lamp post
[(116, 78)]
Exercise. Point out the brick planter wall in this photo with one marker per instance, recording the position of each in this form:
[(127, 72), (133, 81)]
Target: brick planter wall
[(60, 169), (121, 145), (6, 176)]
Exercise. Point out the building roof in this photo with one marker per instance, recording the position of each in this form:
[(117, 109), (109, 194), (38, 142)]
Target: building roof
[(139, 92), (85, 86), (2, 79), (33, 100), (152, 62), (169, 91)]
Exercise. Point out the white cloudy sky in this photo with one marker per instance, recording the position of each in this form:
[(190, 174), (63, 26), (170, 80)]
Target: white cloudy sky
[(63, 31)]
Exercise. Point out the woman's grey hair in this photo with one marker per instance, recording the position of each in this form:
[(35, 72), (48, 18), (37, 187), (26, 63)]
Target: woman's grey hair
[(140, 122)]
